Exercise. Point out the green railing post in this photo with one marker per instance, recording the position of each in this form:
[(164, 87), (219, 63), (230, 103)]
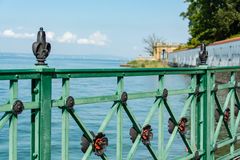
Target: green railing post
[(160, 119), (208, 128), (193, 113), (120, 87), (45, 113), (232, 120), (34, 121), (199, 105), (65, 119), (13, 122)]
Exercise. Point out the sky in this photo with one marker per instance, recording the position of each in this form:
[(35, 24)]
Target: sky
[(91, 27)]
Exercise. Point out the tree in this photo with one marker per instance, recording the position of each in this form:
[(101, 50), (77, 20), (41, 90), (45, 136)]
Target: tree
[(228, 19), (212, 20), (150, 43)]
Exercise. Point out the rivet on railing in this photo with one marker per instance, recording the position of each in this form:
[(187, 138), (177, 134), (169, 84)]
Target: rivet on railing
[(147, 134), (203, 54), (41, 48), (165, 94), (124, 98), (17, 107), (70, 102), (35, 155), (100, 142)]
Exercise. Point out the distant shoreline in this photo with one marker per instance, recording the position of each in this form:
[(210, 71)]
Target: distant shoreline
[(145, 64)]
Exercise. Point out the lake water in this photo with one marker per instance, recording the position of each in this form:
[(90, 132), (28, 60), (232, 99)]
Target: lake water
[(93, 114)]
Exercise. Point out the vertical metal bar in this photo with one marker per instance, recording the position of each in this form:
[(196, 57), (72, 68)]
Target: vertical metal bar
[(232, 118), (13, 138), (13, 90), (120, 88), (212, 112), (119, 133), (45, 114), (32, 152), (200, 100), (207, 123), (160, 120), (37, 135), (65, 120), (238, 117), (193, 114), (34, 121), (13, 122), (213, 102)]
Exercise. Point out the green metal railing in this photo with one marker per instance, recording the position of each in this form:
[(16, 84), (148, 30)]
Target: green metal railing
[(202, 143)]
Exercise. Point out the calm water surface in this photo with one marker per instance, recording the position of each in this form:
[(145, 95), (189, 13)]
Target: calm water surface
[(92, 115)]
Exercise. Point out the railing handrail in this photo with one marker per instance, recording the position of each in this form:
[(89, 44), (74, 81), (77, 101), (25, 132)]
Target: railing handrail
[(50, 69)]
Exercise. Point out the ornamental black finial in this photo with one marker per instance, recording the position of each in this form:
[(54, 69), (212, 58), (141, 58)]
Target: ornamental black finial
[(41, 48), (203, 54)]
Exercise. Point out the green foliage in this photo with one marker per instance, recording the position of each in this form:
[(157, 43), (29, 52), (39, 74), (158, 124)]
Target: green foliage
[(235, 35), (184, 47), (212, 20), (147, 64)]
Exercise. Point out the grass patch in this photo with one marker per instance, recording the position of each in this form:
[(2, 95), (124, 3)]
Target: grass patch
[(147, 64), (235, 36)]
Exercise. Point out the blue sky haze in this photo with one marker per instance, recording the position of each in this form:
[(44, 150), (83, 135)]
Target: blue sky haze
[(93, 27)]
